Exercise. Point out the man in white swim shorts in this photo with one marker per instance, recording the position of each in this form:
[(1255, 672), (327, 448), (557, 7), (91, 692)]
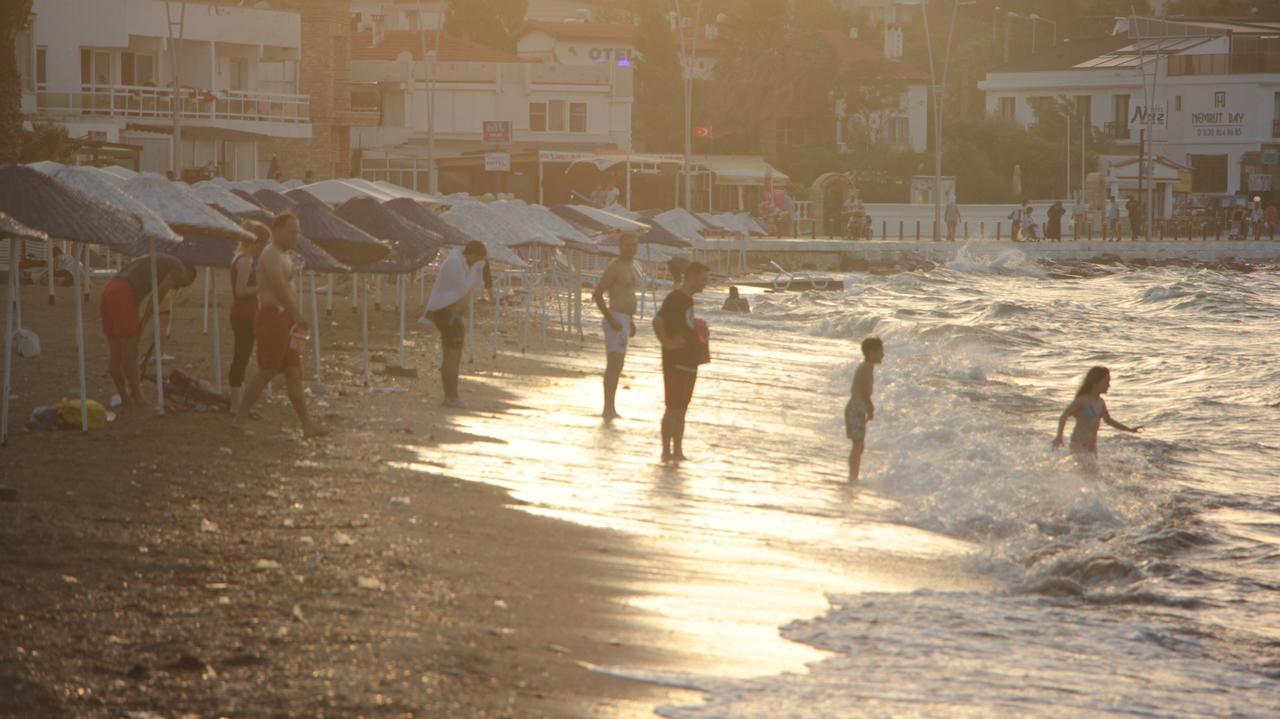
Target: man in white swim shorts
[(619, 282)]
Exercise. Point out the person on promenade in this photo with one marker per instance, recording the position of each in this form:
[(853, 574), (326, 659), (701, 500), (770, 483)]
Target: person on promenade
[(1134, 209), (118, 308), (952, 218), (860, 409), (461, 273), (736, 302), (1089, 410), (1053, 229), (1080, 218), (1113, 219), (1270, 216), (244, 305), (1029, 230), (619, 282), (1015, 224), (682, 351), (279, 327)]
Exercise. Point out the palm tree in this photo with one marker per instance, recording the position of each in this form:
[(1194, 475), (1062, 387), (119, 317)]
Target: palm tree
[(14, 16)]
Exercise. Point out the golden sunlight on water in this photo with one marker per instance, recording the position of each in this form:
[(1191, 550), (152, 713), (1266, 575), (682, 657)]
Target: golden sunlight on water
[(747, 536)]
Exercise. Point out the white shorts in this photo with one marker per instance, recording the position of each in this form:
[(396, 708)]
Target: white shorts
[(616, 341)]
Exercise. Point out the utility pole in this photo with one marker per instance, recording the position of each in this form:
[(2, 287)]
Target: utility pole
[(429, 65), (175, 159)]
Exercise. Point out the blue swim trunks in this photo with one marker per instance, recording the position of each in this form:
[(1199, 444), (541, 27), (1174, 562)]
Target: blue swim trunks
[(855, 420)]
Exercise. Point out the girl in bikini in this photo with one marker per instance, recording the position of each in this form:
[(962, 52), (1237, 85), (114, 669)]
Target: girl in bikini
[(1090, 410)]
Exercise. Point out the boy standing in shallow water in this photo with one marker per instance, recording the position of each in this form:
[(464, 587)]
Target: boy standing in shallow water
[(860, 408)]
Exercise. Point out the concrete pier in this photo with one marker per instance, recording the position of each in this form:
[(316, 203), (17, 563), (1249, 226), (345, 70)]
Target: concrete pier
[(815, 254)]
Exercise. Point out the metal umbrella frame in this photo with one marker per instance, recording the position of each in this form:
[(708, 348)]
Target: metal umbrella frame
[(12, 231)]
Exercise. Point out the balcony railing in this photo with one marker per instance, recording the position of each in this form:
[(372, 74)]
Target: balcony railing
[(158, 102)]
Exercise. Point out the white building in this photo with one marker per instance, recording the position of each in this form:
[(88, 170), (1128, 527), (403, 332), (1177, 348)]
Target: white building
[(577, 43), (1213, 88), (104, 70), (548, 106)]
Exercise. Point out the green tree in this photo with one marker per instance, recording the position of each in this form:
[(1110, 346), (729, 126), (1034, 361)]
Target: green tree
[(488, 22), (659, 93), (868, 90), (773, 66), (14, 15), (45, 141)]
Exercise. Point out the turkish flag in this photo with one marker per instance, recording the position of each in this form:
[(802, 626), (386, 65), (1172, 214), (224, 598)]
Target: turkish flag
[(702, 132)]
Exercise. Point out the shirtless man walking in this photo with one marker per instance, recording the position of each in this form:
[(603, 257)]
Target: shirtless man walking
[(619, 282), (278, 318)]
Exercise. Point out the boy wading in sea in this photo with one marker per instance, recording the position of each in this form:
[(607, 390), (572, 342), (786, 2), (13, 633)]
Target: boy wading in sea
[(860, 408), (1090, 410)]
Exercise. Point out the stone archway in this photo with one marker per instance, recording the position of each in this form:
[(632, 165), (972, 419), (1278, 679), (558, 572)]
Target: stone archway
[(826, 198)]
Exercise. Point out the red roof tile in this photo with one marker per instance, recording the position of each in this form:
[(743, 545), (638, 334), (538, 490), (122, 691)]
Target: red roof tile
[(602, 31), (451, 49)]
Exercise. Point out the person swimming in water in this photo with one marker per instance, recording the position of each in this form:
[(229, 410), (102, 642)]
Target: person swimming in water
[(1090, 411)]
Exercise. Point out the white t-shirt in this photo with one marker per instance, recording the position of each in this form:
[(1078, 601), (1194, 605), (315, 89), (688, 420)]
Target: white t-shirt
[(611, 197), (454, 281)]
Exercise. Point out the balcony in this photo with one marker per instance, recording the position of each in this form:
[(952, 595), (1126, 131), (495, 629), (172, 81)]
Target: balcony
[(232, 109)]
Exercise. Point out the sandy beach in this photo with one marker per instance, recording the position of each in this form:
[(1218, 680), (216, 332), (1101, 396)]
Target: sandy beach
[(169, 565)]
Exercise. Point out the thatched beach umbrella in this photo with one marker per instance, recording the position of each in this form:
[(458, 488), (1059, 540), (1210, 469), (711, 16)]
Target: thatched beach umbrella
[(412, 246), (92, 182), (12, 231), (42, 203), (200, 226), (222, 198), (424, 217)]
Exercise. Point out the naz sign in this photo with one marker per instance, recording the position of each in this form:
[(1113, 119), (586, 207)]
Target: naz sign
[(1141, 115)]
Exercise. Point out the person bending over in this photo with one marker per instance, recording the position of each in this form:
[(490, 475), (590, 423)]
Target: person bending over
[(461, 273)]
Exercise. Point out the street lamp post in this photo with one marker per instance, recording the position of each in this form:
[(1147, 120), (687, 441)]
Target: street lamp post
[(688, 50), (937, 91), (429, 62)]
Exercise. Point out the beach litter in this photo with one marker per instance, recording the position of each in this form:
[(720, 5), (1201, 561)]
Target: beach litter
[(371, 583), (400, 501), (266, 565), (342, 539), (208, 527)]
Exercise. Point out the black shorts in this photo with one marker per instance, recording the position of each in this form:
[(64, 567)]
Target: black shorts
[(453, 330)]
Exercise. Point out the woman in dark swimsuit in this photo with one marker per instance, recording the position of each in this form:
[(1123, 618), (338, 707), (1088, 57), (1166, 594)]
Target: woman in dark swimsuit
[(1090, 411)]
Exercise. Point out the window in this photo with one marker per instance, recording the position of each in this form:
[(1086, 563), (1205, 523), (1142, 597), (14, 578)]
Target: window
[(26, 71), (1208, 173), (95, 67), (137, 69), (577, 117), (1120, 116), (239, 74), (899, 130), (1084, 108), (1275, 115), (555, 116), (1008, 109), (538, 117), (1177, 103), (42, 64)]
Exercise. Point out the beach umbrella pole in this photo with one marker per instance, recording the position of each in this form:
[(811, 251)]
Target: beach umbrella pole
[(497, 313), (11, 307), (315, 327), (528, 305), (155, 329), (328, 300), (206, 300), (364, 327), (217, 348), (84, 394), (49, 246), (400, 297)]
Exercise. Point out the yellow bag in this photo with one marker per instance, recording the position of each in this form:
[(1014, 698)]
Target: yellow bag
[(69, 411)]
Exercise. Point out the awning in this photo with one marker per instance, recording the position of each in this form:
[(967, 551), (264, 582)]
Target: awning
[(741, 170)]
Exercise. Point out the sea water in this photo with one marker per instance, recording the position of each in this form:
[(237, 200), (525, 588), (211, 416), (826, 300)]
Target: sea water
[(973, 571)]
